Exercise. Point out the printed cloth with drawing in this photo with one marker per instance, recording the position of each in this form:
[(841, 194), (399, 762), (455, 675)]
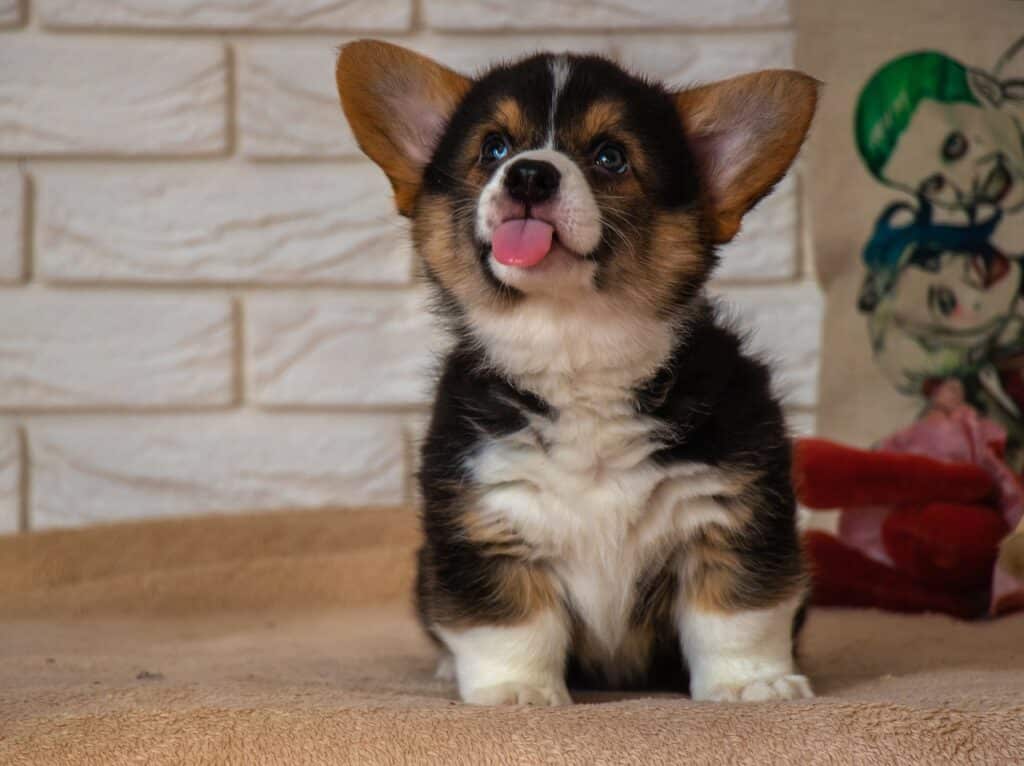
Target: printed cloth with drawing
[(943, 283)]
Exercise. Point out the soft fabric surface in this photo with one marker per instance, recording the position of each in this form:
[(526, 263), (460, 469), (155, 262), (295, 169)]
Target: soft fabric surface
[(872, 373), (289, 639)]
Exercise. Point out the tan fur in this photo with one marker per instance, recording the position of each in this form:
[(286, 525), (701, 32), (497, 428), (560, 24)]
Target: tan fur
[(518, 590), (716, 580), (778, 105), (646, 280), (713, 574), (449, 258), (371, 75), (600, 117), (510, 119), (494, 537), (529, 588)]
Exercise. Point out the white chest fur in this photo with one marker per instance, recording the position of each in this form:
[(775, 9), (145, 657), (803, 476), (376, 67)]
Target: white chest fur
[(584, 493), (581, 487)]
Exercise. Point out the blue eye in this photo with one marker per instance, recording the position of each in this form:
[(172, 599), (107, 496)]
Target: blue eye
[(494, 149), (612, 158)]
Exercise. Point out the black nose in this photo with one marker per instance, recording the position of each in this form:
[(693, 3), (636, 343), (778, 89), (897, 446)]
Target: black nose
[(532, 181)]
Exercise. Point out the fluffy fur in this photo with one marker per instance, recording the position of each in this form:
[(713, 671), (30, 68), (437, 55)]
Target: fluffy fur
[(605, 480)]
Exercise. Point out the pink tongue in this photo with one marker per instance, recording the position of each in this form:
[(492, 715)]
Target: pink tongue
[(522, 242)]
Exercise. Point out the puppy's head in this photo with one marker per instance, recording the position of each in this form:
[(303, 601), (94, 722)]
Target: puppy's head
[(564, 178)]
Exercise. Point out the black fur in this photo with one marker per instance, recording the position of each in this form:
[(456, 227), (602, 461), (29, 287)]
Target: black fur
[(717, 407), (714, 402)]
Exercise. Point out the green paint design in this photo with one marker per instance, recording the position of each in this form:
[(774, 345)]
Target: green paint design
[(893, 93)]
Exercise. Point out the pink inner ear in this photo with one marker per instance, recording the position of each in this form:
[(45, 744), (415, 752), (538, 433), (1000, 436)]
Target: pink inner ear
[(421, 127), (723, 155)]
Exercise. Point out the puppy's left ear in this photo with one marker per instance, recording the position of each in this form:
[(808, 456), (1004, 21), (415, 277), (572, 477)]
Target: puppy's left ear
[(398, 104), (744, 133)]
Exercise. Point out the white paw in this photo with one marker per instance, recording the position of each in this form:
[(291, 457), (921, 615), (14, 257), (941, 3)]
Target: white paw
[(518, 693), (785, 687)]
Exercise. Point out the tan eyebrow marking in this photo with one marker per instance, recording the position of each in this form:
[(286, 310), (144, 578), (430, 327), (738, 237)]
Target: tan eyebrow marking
[(607, 117), (600, 117), (510, 115)]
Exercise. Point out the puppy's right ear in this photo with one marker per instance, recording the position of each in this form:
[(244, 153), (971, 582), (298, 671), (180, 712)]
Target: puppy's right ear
[(744, 133), (398, 104)]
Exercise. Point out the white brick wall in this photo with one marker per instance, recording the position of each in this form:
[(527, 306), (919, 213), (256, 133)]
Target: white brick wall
[(587, 14), (10, 478), (106, 469), (96, 349), (219, 222), (370, 348), (201, 15), (10, 12), (12, 217), (66, 96), (206, 302)]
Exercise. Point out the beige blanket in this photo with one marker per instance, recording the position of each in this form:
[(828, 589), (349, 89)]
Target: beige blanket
[(288, 638)]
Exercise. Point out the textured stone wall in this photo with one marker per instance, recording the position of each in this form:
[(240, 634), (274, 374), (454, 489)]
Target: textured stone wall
[(206, 302)]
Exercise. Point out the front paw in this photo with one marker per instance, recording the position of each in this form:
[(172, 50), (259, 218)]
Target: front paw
[(781, 687), (519, 693)]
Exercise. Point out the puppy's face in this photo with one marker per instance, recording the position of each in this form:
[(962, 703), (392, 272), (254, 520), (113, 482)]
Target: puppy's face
[(564, 178), (560, 177)]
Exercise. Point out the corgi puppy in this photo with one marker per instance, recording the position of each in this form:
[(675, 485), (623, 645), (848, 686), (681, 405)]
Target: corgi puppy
[(606, 478)]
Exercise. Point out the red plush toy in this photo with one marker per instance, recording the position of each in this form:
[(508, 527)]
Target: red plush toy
[(922, 516)]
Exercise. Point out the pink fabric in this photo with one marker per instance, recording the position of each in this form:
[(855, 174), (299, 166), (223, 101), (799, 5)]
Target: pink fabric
[(953, 431)]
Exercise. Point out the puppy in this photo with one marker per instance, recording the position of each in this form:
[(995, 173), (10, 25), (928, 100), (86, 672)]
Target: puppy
[(605, 481)]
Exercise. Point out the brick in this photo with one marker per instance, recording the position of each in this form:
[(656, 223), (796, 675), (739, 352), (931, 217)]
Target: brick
[(220, 224), (286, 15), (473, 53), (353, 348), (10, 13), (10, 478), (175, 466), (767, 245), (12, 216), (784, 324), (585, 14), (683, 60), (63, 96), (88, 350), (288, 103), (679, 59)]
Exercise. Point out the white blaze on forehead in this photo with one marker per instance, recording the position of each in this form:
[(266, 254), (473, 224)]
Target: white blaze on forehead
[(560, 71)]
